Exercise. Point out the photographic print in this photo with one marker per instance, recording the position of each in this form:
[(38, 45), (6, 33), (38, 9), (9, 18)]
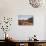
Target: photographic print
[(25, 20)]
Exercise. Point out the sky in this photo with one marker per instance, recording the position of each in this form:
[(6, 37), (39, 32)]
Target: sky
[(24, 17)]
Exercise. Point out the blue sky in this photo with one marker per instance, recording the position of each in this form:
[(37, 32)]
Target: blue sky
[(24, 16)]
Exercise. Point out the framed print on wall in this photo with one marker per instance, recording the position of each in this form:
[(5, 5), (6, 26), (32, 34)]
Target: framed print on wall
[(25, 20)]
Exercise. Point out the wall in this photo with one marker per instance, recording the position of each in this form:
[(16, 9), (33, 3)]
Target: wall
[(13, 8), (45, 29)]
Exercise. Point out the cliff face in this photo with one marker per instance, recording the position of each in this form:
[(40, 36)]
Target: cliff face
[(25, 22)]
